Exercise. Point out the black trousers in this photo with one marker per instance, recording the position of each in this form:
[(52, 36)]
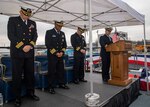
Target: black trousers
[(78, 68), (56, 71), (105, 67), (22, 68)]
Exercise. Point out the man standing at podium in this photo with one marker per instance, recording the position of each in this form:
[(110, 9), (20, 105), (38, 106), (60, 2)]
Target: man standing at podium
[(104, 41)]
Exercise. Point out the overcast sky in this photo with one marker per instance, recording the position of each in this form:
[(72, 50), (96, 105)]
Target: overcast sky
[(134, 33), (142, 6)]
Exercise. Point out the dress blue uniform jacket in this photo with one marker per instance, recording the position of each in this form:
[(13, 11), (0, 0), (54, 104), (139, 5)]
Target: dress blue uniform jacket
[(103, 41), (20, 35), (55, 42), (78, 43)]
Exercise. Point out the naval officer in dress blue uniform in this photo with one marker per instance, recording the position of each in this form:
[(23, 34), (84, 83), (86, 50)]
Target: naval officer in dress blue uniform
[(22, 34), (78, 43), (104, 41), (55, 42)]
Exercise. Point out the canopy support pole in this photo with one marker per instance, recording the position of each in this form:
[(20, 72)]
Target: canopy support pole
[(145, 58), (91, 99), (85, 33), (90, 41)]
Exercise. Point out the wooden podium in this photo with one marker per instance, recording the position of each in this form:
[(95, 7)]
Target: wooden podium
[(119, 62)]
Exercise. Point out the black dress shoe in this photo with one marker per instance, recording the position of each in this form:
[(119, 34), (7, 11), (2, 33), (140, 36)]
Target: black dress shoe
[(83, 80), (17, 103), (52, 91), (76, 82), (63, 86), (105, 81), (34, 97)]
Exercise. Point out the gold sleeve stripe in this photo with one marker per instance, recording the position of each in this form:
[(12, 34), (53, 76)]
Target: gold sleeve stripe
[(77, 48), (19, 44), (63, 49), (52, 51), (33, 43)]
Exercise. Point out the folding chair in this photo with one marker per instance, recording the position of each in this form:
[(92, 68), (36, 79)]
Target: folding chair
[(42, 72), (6, 80)]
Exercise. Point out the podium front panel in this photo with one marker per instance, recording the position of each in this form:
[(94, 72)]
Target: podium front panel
[(119, 65)]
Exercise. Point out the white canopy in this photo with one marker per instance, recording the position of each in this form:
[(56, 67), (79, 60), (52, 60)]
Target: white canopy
[(75, 12)]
